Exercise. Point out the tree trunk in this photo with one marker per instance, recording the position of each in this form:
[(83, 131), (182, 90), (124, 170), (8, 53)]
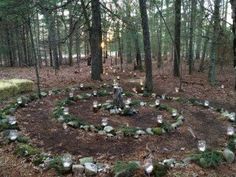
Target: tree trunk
[(233, 4), (191, 30), (96, 40), (177, 38), (213, 52), (147, 45)]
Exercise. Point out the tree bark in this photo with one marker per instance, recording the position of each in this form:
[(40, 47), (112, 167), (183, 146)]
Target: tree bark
[(147, 45), (177, 38), (96, 40)]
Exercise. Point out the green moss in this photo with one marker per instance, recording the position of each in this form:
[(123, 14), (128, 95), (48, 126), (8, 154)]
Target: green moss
[(129, 94), (232, 144), (26, 150), (7, 89), (102, 93), (159, 170), (23, 85), (126, 168), (135, 103), (56, 163), (165, 107), (157, 131), (209, 158), (129, 131)]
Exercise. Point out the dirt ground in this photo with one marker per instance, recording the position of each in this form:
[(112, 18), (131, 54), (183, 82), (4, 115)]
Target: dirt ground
[(36, 120)]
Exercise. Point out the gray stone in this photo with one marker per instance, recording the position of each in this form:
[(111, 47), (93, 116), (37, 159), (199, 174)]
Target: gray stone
[(93, 128), (110, 135), (103, 167), (101, 132), (90, 169), (78, 170), (140, 132), (149, 131), (108, 129), (228, 155), (86, 160)]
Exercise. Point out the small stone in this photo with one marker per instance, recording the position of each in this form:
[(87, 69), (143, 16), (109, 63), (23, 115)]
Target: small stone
[(90, 169), (109, 135), (228, 155), (103, 167), (77, 169), (149, 131), (93, 128), (169, 162), (108, 129), (101, 132), (140, 132), (86, 160)]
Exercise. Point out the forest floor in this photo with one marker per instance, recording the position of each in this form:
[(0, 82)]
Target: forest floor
[(36, 120)]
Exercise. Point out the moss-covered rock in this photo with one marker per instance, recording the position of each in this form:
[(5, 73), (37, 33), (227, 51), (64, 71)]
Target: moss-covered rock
[(126, 169), (12, 87), (7, 89), (26, 150)]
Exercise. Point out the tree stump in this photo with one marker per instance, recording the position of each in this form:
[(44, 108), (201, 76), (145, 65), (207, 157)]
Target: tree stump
[(118, 98)]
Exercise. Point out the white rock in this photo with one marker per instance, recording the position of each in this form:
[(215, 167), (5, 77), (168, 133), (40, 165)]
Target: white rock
[(228, 155), (90, 169), (77, 169), (108, 129)]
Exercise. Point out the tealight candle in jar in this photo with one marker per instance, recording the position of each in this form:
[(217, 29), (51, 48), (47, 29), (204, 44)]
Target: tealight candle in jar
[(135, 74), (12, 120), (157, 102), (71, 94), (95, 106), (222, 86), (118, 77), (128, 101), (206, 103), (159, 119), (19, 100), (50, 92), (66, 111), (174, 113), (176, 89), (13, 135), (163, 96), (123, 71), (81, 85), (95, 93), (148, 166), (141, 82), (230, 131), (202, 145), (66, 160), (104, 122)]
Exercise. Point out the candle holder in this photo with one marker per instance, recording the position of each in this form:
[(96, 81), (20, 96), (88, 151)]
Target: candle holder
[(148, 166), (163, 96), (230, 131), (157, 102), (66, 160), (118, 78), (66, 111), (141, 83), (19, 101), (12, 120), (135, 74), (128, 101), (50, 92), (202, 145), (81, 86), (159, 119), (174, 113), (206, 103), (176, 89), (104, 122), (95, 106), (95, 93), (71, 94), (13, 135)]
